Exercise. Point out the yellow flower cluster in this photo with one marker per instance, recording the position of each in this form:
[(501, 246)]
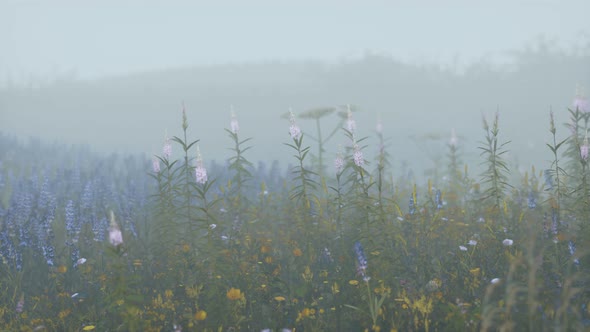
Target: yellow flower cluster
[(234, 294)]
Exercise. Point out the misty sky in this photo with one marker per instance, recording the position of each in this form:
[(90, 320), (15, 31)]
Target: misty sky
[(88, 39)]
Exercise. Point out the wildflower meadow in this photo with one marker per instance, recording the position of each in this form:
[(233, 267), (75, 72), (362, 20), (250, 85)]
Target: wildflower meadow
[(338, 241)]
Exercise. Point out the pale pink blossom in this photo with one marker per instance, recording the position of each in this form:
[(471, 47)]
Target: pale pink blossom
[(580, 102), (379, 127), (294, 130), (584, 149), (115, 235), (339, 163), (167, 149), (155, 165), (200, 171), (358, 156), (233, 124), (350, 123)]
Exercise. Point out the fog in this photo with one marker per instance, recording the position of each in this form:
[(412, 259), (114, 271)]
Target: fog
[(115, 76)]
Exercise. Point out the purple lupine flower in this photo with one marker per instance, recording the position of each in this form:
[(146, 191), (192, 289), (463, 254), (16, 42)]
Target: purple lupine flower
[(361, 260), (200, 171), (233, 124), (438, 199), (358, 156), (554, 221), (572, 249), (71, 227), (532, 201), (294, 130)]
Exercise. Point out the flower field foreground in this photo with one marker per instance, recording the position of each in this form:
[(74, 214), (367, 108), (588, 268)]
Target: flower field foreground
[(121, 243)]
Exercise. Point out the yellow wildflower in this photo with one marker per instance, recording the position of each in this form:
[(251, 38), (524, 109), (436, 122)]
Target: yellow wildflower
[(234, 294), (201, 315)]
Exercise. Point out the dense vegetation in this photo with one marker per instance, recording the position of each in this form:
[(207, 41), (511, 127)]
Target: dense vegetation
[(123, 243)]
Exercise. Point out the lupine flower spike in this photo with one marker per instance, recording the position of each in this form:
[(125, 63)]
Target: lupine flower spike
[(361, 260)]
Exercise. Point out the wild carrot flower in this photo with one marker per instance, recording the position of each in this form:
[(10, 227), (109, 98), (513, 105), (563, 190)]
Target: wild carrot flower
[(115, 235), (200, 171), (358, 156), (463, 248), (294, 130), (361, 260), (507, 242), (233, 124), (495, 280)]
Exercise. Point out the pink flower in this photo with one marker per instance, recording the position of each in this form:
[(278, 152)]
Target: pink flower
[(294, 130), (233, 124), (358, 156), (155, 165), (379, 127), (115, 235), (584, 149), (350, 123), (581, 104), (339, 164), (200, 171), (167, 149)]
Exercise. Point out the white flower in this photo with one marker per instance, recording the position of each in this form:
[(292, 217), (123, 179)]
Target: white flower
[(507, 242), (462, 248), (472, 242), (495, 280), (81, 261), (212, 226)]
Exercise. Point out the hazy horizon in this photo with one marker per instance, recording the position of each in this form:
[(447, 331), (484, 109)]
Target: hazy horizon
[(43, 41)]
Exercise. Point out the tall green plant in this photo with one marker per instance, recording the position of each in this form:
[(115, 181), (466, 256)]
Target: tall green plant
[(496, 174)]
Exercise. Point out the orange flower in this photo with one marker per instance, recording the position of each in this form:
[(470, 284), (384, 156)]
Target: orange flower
[(201, 315), (297, 252), (234, 294)]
